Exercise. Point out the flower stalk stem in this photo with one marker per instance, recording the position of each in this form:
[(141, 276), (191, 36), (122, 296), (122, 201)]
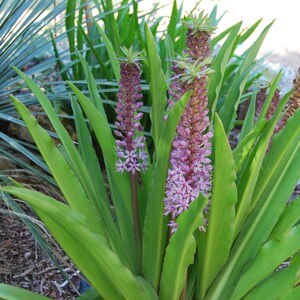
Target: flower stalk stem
[(136, 219)]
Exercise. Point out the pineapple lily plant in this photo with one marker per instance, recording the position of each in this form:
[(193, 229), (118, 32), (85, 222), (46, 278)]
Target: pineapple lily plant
[(188, 217)]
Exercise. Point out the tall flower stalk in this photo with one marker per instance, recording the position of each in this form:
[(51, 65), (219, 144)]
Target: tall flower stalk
[(130, 147), (190, 169)]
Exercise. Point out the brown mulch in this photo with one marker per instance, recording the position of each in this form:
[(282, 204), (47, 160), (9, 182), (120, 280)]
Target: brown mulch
[(23, 263)]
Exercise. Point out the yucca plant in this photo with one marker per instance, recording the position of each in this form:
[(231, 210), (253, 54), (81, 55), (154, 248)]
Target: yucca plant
[(120, 239)]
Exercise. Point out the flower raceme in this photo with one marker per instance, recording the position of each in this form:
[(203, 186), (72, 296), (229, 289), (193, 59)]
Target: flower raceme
[(190, 169), (130, 148), (189, 172)]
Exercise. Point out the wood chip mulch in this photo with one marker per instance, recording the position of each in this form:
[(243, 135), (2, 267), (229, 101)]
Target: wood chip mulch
[(23, 263)]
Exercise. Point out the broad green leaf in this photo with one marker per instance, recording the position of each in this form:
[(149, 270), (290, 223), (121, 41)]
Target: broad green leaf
[(280, 155), (279, 283), (9, 292), (88, 250), (158, 87), (279, 249), (155, 227), (111, 52), (292, 294), (250, 173), (119, 183), (288, 218), (60, 169), (219, 66), (222, 211), (280, 174), (73, 157), (180, 251)]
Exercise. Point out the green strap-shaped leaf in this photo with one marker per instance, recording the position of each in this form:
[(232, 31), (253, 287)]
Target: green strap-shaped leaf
[(88, 154), (222, 211), (155, 228), (60, 169), (249, 175), (111, 53), (181, 250), (249, 119), (158, 87), (292, 294), (228, 110), (279, 250), (8, 292), (172, 26), (70, 27), (88, 251), (119, 183), (279, 283), (98, 57), (111, 25), (278, 177), (70, 150), (288, 218), (241, 152), (219, 66)]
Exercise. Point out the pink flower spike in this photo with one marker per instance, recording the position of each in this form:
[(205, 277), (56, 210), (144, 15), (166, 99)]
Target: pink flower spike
[(130, 147)]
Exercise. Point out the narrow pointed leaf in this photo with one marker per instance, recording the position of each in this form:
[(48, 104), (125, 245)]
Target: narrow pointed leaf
[(9, 292), (88, 251), (279, 283), (180, 251), (288, 218), (155, 228), (158, 87), (279, 249), (59, 167), (222, 211)]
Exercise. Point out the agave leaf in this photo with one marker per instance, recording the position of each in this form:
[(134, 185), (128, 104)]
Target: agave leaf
[(180, 251), (155, 227), (222, 211)]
